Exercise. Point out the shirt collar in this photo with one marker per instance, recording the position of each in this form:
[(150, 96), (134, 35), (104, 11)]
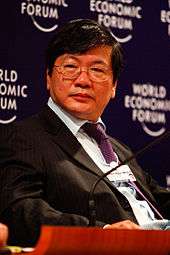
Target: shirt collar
[(74, 124)]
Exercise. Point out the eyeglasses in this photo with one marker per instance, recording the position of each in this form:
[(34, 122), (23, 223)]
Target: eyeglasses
[(96, 72)]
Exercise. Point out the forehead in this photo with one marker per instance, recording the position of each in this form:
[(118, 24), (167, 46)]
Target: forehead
[(101, 54)]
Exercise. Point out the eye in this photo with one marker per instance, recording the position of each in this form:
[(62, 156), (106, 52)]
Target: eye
[(70, 66), (97, 70)]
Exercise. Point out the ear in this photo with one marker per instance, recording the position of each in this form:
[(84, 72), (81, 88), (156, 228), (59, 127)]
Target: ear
[(114, 89), (48, 78)]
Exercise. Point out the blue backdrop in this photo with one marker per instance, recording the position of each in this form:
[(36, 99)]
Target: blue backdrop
[(140, 111)]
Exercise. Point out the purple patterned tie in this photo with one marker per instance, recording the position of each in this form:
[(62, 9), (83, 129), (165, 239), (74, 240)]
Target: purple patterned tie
[(97, 132)]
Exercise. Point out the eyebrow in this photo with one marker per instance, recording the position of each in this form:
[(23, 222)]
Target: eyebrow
[(97, 61)]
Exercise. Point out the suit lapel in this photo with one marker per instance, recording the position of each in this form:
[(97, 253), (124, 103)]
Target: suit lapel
[(62, 136)]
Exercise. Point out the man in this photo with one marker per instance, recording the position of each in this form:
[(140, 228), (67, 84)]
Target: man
[(49, 161)]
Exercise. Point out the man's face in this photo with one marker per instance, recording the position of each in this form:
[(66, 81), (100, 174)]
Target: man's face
[(83, 96)]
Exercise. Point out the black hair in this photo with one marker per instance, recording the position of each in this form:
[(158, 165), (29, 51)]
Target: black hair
[(80, 35)]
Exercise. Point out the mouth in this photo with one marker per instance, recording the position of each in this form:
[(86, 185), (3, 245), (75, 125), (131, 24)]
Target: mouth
[(81, 96)]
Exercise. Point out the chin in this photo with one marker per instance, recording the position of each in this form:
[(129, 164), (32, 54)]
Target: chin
[(85, 116)]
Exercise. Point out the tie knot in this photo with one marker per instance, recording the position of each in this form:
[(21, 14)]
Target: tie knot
[(95, 131)]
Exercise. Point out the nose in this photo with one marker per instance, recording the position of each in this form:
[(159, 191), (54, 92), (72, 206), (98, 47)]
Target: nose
[(83, 79)]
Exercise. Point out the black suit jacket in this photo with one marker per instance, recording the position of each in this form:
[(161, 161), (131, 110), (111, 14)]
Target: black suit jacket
[(46, 177)]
